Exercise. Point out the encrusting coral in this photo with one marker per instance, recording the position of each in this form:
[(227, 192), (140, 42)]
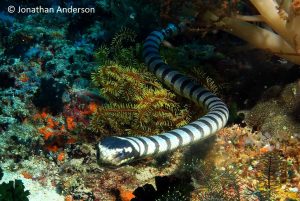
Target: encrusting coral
[(265, 168)]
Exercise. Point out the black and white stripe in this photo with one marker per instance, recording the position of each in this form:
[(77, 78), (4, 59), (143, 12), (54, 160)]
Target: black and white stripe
[(119, 150)]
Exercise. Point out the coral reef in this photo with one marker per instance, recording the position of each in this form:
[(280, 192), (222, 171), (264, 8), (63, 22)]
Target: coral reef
[(257, 158), (239, 18), (68, 80)]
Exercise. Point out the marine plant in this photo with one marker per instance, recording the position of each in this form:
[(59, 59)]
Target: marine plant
[(122, 38), (207, 81), (13, 190)]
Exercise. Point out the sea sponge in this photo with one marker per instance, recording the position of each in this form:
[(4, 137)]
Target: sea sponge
[(261, 112), (290, 96)]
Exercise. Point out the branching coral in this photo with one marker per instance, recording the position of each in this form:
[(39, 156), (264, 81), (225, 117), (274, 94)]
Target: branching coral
[(271, 25), (282, 16)]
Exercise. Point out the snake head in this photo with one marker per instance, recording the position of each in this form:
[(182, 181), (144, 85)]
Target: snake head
[(115, 151)]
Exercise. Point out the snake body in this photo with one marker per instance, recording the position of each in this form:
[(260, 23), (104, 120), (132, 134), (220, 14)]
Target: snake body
[(118, 150)]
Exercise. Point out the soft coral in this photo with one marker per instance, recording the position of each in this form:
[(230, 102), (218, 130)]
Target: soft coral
[(282, 16)]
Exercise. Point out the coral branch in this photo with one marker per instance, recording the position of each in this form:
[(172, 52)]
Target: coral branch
[(250, 18), (261, 38), (256, 36), (269, 12)]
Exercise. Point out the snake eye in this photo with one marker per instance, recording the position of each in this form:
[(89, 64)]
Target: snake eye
[(125, 153), (121, 155)]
